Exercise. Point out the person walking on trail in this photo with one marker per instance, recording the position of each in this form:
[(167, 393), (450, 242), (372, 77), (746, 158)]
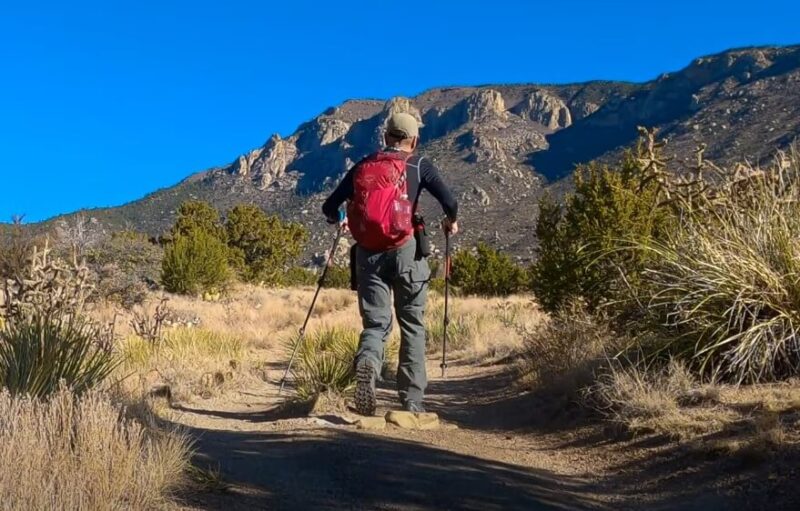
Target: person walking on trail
[(383, 192)]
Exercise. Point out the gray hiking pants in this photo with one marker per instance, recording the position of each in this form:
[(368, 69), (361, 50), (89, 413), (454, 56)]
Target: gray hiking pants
[(379, 275)]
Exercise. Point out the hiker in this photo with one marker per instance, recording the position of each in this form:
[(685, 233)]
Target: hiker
[(383, 191)]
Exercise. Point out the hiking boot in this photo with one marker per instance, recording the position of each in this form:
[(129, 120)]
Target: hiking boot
[(365, 388), (413, 407)]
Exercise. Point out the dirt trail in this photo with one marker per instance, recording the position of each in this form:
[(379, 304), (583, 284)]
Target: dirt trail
[(274, 460)]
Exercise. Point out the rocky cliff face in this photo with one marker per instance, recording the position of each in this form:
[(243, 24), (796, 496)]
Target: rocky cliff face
[(546, 109), (500, 146)]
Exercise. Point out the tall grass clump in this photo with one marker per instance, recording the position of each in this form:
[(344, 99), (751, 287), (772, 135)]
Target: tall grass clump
[(664, 399), (725, 289), (70, 453), (563, 353), (460, 331), (193, 361), (324, 362)]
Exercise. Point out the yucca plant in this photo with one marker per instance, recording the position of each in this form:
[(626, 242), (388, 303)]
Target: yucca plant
[(325, 362), (726, 286), (39, 354)]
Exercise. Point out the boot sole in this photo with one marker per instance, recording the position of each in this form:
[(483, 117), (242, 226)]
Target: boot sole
[(365, 390)]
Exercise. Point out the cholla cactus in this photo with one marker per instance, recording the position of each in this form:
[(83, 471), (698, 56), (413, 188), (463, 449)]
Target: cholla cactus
[(706, 186), (49, 287)]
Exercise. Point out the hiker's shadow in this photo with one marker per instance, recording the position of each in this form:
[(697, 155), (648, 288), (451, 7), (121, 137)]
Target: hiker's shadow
[(290, 409), (341, 469)]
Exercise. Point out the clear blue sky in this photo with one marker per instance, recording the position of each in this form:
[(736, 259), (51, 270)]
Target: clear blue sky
[(102, 102)]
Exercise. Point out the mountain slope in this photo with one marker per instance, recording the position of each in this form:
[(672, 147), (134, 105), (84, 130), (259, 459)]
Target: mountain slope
[(501, 146)]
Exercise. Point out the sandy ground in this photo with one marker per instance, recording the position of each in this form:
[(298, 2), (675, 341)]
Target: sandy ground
[(487, 457)]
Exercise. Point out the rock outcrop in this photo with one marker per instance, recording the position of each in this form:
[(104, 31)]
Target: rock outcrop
[(743, 104), (395, 105), (331, 130), (268, 163), (484, 105), (580, 109), (546, 109)]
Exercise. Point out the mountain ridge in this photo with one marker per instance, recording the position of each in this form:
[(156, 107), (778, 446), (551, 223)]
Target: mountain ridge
[(502, 145)]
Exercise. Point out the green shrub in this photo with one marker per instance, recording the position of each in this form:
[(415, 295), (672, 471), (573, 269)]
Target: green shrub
[(195, 264), (437, 285), (585, 250), (338, 277), (39, 354), (262, 246), (487, 272), (553, 275), (324, 362), (298, 276), (195, 215)]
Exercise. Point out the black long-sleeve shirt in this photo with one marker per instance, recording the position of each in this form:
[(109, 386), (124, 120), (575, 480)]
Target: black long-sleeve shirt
[(422, 175)]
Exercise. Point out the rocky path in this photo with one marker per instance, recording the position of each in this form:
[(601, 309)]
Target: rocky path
[(273, 459)]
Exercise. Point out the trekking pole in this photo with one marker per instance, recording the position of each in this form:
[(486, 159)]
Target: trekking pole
[(447, 265), (321, 281)]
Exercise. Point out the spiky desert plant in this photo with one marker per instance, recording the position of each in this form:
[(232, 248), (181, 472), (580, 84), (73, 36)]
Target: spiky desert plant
[(726, 285), (325, 362), (44, 339), (47, 286), (41, 353)]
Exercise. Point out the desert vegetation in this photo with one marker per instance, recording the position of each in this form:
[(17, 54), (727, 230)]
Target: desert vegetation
[(78, 442), (685, 286), (660, 303)]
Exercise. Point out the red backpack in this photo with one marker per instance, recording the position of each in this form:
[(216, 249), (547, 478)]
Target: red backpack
[(379, 213)]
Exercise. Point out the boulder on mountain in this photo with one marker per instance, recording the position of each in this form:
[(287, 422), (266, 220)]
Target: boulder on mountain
[(395, 105), (548, 110), (267, 163), (581, 108), (331, 130), (400, 104), (485, 104)]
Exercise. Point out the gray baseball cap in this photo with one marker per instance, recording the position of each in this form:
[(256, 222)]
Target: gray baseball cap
[(402, 125)]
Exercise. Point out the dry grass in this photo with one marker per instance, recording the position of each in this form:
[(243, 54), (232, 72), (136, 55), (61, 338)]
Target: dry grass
[(667, 401), (80, 454), (265, 319), (482, 329), (561, 355), (261, 317), (193, 362), (751, 423)]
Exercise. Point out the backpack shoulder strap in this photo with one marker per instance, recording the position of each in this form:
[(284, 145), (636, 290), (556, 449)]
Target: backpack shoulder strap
[(417, 164)]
